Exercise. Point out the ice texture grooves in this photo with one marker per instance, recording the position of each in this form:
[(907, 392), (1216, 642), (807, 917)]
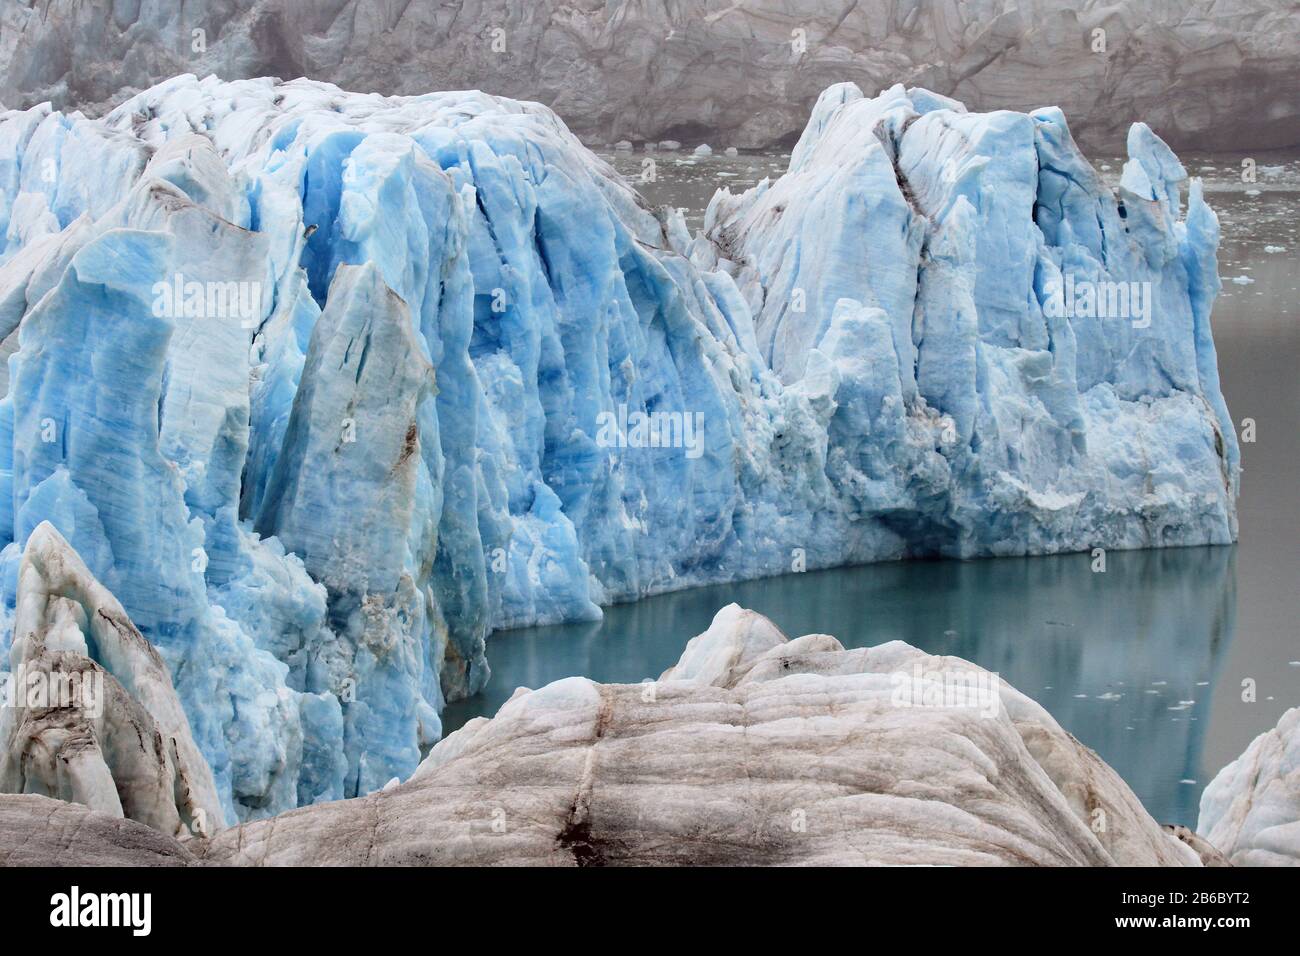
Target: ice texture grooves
[(324, 387), (995, 409)]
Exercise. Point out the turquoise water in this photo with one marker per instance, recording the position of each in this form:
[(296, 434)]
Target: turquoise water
[(1143, 663), (1150, 633)]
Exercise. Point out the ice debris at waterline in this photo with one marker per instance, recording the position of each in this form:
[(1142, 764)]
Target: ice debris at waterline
[(326, 386), (752, 750)]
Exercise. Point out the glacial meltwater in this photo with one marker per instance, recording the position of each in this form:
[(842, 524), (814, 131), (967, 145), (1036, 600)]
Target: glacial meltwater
[(1167, 664)]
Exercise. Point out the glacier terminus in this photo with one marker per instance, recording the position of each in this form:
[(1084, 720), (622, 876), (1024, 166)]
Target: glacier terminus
[(322, 388)]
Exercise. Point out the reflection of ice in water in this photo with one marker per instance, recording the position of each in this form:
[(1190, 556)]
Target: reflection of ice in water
[(1159, 617)]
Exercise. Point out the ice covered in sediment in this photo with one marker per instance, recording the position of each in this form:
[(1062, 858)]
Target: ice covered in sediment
[(39, 831), (91, 716), (753, 750), (1251, 809), (326, 386)]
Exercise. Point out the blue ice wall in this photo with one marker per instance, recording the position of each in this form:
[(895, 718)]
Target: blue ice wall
[(327, 386)]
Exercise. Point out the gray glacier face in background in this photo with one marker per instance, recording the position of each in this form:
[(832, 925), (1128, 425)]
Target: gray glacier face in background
[(1214, 75)]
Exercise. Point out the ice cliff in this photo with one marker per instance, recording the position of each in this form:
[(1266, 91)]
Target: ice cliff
[(326, 386), (1038, 370)]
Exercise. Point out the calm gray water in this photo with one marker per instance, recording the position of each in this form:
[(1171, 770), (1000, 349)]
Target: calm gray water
[(1144, 663)]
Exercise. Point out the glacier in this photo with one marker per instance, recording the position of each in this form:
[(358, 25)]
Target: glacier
[(325, 387)]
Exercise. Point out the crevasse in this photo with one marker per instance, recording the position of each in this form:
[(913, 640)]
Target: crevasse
[(324, 387)]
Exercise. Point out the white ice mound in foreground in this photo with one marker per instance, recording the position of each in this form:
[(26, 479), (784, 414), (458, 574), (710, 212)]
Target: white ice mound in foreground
[(326, 386), (91, 716), (753, 750), (1251, 809)]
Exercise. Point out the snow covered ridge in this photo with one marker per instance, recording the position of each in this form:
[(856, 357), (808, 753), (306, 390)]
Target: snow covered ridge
[(326, 386)]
